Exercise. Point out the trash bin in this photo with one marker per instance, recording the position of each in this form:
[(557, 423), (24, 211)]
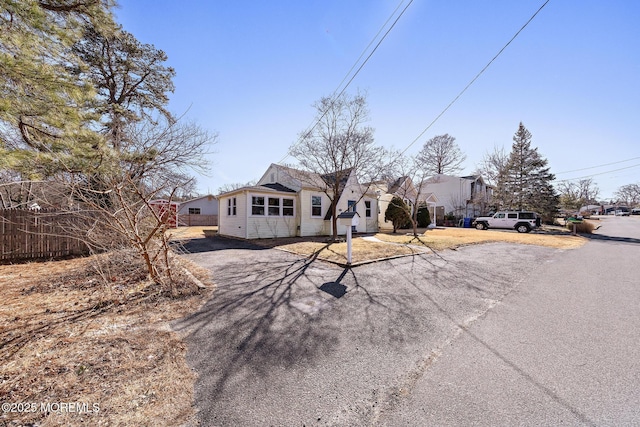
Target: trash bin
[(467, 223)]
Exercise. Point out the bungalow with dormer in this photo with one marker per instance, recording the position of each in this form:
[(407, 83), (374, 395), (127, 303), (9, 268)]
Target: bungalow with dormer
[(287, 202)]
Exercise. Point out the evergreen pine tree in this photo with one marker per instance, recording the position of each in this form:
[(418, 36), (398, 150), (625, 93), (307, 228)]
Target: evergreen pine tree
[(526, 182)]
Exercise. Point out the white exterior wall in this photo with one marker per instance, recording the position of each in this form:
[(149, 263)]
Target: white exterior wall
[(310, 225), (233, 225), (384, 201), (278, 174), (265, 226), (208, 206), (453, 193), (371, 223), (353, 191)]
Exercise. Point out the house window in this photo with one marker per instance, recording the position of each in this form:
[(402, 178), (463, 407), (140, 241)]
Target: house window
[(231, 206), (287, 207), (257, 205), (316, 206), (367, 208), (274, 206), (194, 211)]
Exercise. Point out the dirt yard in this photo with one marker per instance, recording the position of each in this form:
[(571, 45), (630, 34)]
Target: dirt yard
[(92, 346)]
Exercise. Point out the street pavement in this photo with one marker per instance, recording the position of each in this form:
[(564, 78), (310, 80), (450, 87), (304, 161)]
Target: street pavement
[(562, 349), (493, 334)]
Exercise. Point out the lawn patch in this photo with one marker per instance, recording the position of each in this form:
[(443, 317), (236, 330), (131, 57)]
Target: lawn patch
[(448, 238)]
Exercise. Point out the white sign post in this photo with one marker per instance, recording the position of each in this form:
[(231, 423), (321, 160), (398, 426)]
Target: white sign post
[(349, 219)]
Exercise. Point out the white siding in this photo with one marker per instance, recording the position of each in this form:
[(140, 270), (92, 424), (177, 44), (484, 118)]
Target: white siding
[(265, 226), (233, 225), (454, 194), (208, 206), (276, 174), (353, 191), (270, 227), (310, 225)]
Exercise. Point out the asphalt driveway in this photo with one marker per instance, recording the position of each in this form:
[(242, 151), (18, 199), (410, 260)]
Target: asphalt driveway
[(287, 340)]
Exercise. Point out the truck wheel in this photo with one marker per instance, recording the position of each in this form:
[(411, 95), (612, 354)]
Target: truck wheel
[(523, 228), (481, 226)]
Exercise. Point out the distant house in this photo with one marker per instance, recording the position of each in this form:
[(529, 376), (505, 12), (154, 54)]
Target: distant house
[(467, 196), (404, 188), (287, 202), (199, 211)]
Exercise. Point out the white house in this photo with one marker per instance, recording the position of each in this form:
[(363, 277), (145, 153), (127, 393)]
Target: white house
[(467, 196), (402, 187), (199, 211), (288, 202)]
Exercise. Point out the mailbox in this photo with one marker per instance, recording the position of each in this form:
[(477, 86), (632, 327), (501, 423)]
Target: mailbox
[(349, 218)]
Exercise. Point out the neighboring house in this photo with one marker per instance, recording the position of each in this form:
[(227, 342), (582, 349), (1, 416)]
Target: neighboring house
[(166, 210), (288, 202), (591, 209), (467, 196), (199, 211), (402, 187)]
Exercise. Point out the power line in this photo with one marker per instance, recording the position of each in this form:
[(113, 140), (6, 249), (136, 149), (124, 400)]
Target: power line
[(370, 43), (474, 79), (597, 174), (333, 95), (599, 166)]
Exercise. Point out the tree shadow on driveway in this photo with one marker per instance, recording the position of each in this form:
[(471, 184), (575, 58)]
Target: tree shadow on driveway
[(274, 313), (289, 340)]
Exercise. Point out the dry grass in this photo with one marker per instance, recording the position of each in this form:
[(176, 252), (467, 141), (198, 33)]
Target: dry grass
[(583, 227), (447, 238), (362, 250), (69, 333), (437, 239), (182, 233)]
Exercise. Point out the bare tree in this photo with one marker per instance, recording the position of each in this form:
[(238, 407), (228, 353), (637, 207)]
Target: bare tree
[(569, 195), (410, 185), (441, 155), (574, 195), (629, 194), (493, 164), (116, 202), (234, 186), (337, 147), (589, 191)]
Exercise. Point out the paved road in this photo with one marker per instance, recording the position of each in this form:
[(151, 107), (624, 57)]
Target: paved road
[(563, 349), (487, 335)]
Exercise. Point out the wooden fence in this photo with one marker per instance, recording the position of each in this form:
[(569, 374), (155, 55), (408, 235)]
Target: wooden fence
[(45, 233), (196, 220)]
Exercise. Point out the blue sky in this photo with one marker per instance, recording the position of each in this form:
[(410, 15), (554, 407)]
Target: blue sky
[(250, 70)]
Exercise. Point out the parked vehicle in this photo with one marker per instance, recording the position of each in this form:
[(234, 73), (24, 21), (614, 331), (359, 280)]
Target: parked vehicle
[(521, 221), (635, 211)]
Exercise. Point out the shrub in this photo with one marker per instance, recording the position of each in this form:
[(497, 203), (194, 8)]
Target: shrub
[(583, 227), (398, 213), (424, 218)]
